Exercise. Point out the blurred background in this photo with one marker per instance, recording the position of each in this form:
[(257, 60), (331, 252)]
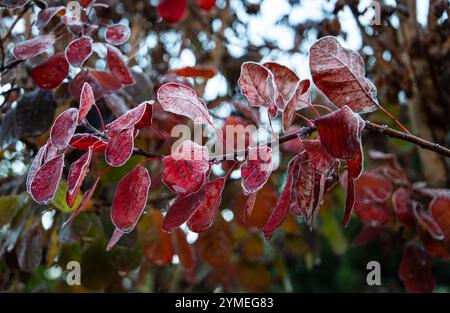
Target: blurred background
[(406, 48)]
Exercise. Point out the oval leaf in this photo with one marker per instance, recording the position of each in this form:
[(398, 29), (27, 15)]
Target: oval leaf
[(256, 169), (87, 100), (118, 66), (64, 128), (120, 148), (79, 50), (46, 179), (117, 34), (52, 72), (30, 48)]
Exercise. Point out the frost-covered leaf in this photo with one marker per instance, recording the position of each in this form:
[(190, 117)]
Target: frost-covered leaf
[(139, 117), (77, 173), (182, 100), (45, 181), (87, 100), (286, 82), (44, 16), (117, 34), (64, 128), (258, 85), (339, 133), (426, 221), (120, 148), (320, 159), (339, 73), (52, 72), (30, 48), (298, 101), (256, 169), (79, 50), (187, 168), (118, 66), (440, 210), (401, 201)]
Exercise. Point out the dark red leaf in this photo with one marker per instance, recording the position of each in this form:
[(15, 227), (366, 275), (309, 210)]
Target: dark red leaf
[(46, 180), (320, 158), (84, 141), (258, 85), (339, 133), (283, 205), (298, 101), (87, 100), (52, 72), (77, 83), (249, 205), (30, 48), (139, 117), (305, 188), (64, 128), (184, 250), (256, 169), (187, 168), (371, 186), (440, 210), (203, 216), (286, 82), (373, 213), (403, 207), (37, 162), (339, 73), (117, 34), (415, 270), (181, 210), (349, 202), (120, 148), (77, 173), (130, 199), (118, 66), (426, 221), (106, 81), (79, 50), (171, 11)]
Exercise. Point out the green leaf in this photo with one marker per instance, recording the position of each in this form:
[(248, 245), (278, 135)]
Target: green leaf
[(59, 201)]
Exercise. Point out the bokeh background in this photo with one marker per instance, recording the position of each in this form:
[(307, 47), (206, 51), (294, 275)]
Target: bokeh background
[(407, 56)]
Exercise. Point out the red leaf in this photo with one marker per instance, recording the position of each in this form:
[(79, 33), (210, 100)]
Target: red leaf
[(181, 209), (182, 100), (46, 180), (64, 128), (426, 221), (47, 14), (50, 151), (403, 207), (117, 34), (355, 166), (79, 50), (77, 173), (130, 199), (52, 72), (415, 270), (30, 48), (256, 169), (298, 101), (86, 198), (349, 202), (35, 165), (185, 251), (206, 4), (258, 85), (187, 168), (139, 117), (286, 82), (249, 205), (171, 11), (440, 210), (120, 148), (283, 205), (118, 66), (371, 186), (196, 71), (339, 73), (106, 81), (305, 189), (84, 141), (158, 247), (373, 213), (215, 245), (77, 83), (340, 133), (320, 158), (204, 214), (87, 100), (366, 235)]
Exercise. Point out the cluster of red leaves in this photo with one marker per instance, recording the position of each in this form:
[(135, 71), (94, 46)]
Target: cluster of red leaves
[(172, 11), (54, 70), (386, 200)]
